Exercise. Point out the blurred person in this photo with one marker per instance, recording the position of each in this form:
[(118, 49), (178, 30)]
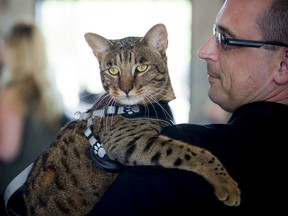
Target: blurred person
[(1, 54), (31, 108)]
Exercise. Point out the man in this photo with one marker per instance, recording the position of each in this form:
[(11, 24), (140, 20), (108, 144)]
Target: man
[(247, 67)]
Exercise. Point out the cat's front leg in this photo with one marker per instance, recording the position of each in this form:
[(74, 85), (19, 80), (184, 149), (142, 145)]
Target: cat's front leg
[(204, 163), (166, 152)]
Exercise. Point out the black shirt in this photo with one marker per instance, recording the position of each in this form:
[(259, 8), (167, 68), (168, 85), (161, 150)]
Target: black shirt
[(251, 147)]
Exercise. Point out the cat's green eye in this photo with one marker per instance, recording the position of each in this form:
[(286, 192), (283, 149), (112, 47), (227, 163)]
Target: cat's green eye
[(113, 70), (142, 68)]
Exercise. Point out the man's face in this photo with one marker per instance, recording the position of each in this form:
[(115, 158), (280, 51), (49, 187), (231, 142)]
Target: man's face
[(239, 75)]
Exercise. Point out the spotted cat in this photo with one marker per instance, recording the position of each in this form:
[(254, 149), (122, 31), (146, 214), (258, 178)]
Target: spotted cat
[(122, 128)]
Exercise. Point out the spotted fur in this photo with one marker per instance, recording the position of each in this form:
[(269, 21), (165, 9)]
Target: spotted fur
[(64, 181)]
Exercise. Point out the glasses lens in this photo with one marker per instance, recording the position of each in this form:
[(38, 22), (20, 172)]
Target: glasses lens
[(214, 29), (220, 37), (222, 40)]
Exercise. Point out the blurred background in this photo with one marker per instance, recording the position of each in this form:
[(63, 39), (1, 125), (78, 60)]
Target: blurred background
[(64, 22)]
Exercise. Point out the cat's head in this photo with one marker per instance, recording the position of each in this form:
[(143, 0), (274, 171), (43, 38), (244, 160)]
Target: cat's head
[(134, 69)]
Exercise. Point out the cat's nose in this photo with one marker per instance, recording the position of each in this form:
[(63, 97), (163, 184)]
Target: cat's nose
[(126, 88), (126, 91)]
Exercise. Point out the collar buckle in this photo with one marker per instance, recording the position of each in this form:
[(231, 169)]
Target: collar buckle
[(132, 109)]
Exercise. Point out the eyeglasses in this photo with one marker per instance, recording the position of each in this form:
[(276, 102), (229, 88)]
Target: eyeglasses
[(224, 41)]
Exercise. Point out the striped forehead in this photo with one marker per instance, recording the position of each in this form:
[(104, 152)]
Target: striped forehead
[(124, 50)]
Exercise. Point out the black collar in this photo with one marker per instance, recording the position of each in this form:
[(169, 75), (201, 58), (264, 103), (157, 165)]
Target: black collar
[(158, 111)]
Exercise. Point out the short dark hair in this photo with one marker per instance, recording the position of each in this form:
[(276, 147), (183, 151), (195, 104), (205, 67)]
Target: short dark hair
[(273, 22)]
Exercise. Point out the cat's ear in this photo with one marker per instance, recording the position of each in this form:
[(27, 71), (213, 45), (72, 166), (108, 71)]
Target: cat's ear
[(157, 37), (98, 44)]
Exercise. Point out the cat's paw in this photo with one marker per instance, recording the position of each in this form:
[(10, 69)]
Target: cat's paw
[(228, 192), (99, 157)]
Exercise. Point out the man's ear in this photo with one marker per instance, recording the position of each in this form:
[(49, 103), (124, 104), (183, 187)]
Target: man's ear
[(282, 75)]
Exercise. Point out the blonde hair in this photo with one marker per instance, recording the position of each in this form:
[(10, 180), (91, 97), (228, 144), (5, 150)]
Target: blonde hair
[(27, 71)]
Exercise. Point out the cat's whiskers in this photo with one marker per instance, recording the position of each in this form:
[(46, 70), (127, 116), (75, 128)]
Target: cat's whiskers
[(99, 104), (152, 100), (110, 102), (104, 101), (146, 110)]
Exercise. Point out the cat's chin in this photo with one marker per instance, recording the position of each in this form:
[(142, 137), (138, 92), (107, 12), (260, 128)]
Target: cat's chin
[(130, 101)]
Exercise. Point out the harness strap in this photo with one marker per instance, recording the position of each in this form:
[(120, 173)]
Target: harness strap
[(158, 111), (97, 152), (13, 186)]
